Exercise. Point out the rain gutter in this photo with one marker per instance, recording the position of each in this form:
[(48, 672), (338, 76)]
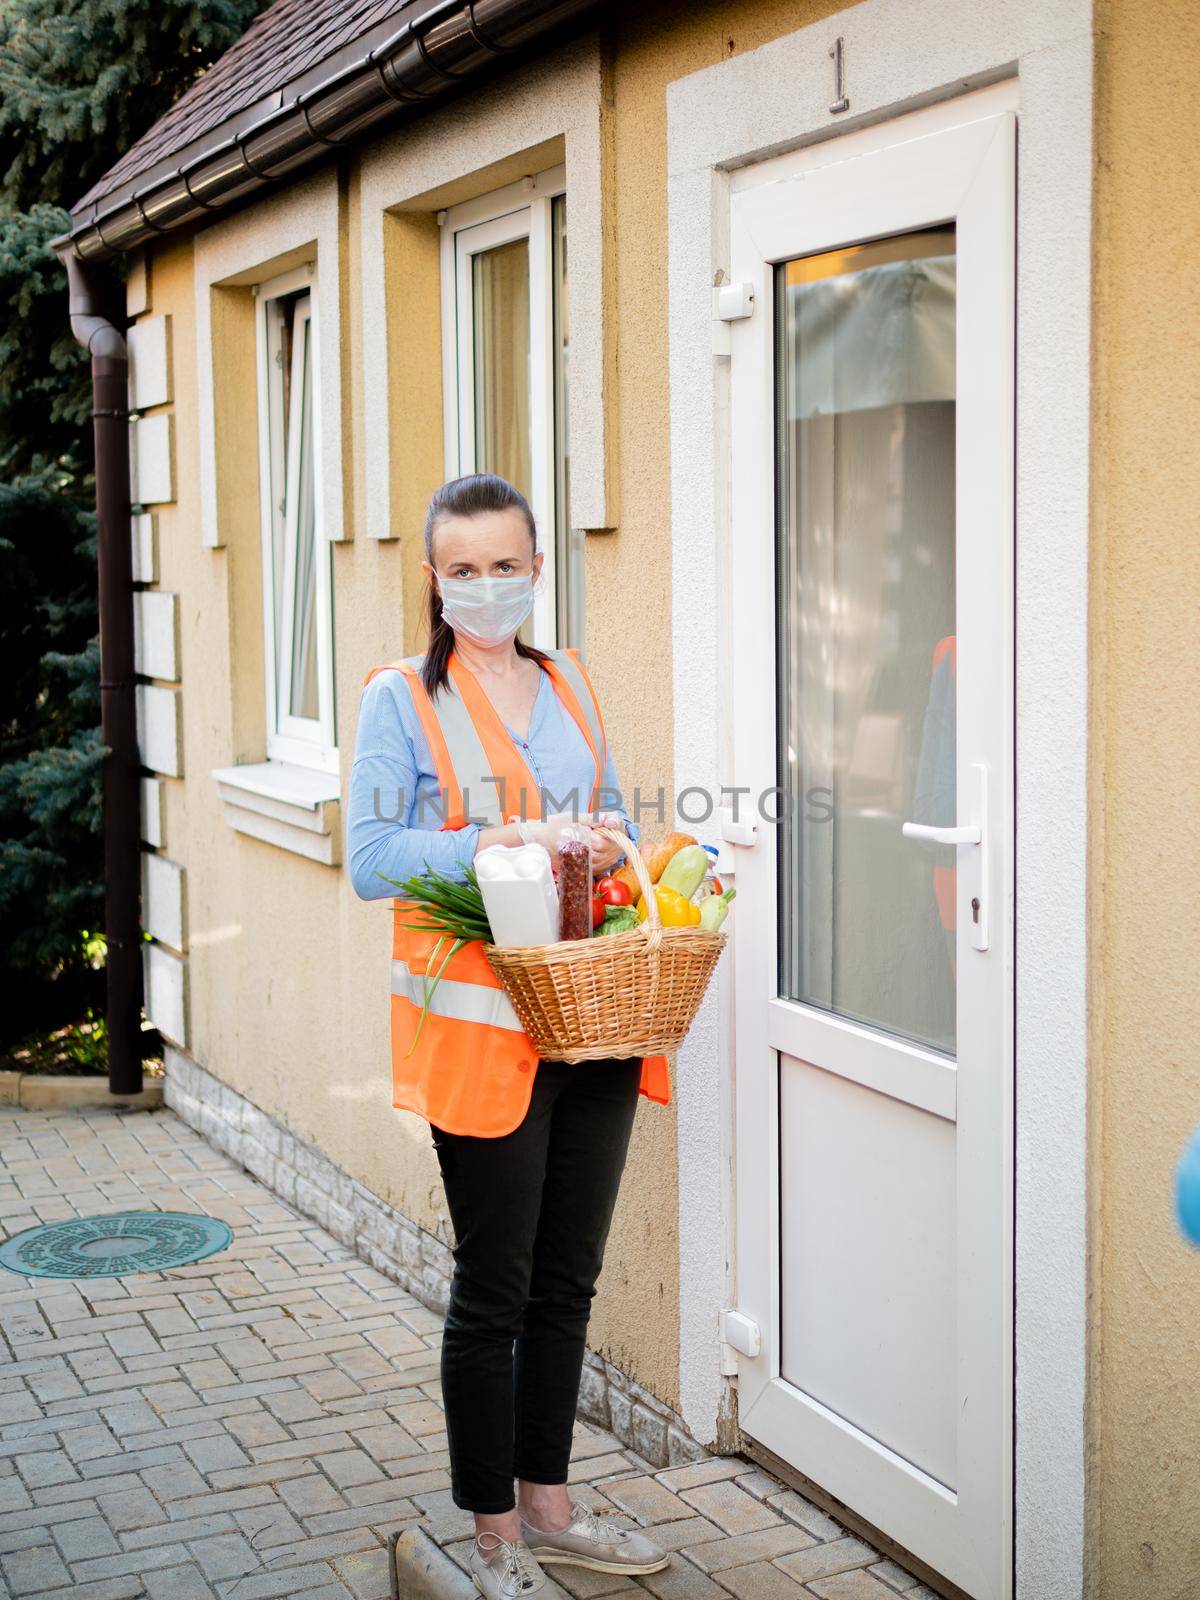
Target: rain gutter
[(440, 51)]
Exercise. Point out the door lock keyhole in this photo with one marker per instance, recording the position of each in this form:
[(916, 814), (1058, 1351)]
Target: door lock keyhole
[(975, 909)]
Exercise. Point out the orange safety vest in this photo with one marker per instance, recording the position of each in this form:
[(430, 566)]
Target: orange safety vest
[(474, 1065)]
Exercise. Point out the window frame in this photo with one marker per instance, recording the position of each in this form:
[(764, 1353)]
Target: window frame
[(302, 741), (524, 209)]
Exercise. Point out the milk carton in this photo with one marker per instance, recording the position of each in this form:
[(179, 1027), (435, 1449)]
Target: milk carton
[(519, 893)]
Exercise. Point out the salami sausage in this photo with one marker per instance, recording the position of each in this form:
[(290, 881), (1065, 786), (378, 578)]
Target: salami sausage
[(575, 889)]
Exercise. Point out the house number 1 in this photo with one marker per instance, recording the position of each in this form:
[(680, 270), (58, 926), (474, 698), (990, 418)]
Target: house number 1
[(839, 77)]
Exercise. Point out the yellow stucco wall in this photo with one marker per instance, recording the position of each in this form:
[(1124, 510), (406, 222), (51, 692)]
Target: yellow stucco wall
[(1144, 1475)]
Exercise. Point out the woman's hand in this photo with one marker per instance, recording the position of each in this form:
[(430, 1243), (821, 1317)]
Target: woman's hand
[(606, 854), (551, 831), (505, 834)]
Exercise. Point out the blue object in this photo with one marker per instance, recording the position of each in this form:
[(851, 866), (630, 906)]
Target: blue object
[(392, 761), (115, 1246), (1187, 1190)]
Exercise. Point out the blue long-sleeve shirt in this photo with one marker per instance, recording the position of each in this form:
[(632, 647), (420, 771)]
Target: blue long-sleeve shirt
[(393, 821)]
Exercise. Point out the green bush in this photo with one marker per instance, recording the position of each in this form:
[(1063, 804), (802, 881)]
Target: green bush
[(80, 80)]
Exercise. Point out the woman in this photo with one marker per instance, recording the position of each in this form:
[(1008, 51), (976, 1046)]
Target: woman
[(454, 748)]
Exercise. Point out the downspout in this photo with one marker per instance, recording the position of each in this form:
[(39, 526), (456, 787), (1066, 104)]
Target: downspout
[(114, 559)]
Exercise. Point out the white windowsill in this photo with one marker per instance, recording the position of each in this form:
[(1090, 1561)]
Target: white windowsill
[(296, 808)]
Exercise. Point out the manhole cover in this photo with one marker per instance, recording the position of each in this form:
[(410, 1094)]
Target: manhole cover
[(110, 1247)]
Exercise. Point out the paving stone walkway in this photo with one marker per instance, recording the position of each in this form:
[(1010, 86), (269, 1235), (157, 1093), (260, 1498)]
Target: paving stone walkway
[(256, 1425)]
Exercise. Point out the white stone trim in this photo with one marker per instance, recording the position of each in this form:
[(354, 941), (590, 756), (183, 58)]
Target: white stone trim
[(158, 730), (144, 528), (152, 459), (150, 375), (156, 634), (301, 223), (137, 285), (164, 913), (901, 54), (153, 827), (296, 808), (322, 847), (560, 96), (164, 978)]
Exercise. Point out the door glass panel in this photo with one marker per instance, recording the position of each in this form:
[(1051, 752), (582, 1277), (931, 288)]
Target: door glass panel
[(864, 405), (500, 298)]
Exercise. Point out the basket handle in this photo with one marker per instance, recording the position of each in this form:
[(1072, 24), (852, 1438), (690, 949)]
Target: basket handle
[(641, 872)]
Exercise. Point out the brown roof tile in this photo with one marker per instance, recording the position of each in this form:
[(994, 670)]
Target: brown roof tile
[(285, 41)]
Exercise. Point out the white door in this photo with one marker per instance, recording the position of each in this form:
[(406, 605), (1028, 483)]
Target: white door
[(871, 410)]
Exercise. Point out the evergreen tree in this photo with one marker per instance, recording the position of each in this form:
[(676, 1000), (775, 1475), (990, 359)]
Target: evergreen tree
[(80, 80)]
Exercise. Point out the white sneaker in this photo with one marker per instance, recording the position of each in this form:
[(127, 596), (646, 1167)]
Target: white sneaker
[(504, 1569), (592, 1541)]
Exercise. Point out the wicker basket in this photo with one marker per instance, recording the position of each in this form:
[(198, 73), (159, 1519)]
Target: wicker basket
[(625, 994)]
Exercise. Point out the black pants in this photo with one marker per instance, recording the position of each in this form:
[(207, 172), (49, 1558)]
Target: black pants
[(531, 1213)]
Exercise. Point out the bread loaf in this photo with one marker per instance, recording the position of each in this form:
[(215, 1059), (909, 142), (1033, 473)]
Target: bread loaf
[(656, 854)]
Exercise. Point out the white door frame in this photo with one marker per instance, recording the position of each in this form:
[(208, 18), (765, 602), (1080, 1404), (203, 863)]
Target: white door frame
[(885, 180), (901, 55)]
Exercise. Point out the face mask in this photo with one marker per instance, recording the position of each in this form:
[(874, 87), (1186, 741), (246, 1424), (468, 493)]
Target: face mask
[(486, 610)]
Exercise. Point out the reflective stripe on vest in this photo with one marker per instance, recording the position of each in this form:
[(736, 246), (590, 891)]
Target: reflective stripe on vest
[(481, 800), (580, 685), (464, 1002)]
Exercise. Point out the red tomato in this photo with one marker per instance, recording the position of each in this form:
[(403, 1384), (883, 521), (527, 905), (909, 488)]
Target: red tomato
[(614, 892), (598, 910)]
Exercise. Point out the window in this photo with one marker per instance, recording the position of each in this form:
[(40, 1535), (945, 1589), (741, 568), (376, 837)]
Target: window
[(297, 587), (504, 287)]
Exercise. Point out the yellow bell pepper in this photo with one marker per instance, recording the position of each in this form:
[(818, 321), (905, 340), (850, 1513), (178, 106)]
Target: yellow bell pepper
[(674, 911)]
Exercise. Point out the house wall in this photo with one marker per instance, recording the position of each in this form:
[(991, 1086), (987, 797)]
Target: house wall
[(1144, 1505), (286, 970)]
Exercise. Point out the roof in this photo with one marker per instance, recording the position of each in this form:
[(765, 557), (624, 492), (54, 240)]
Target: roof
[(283, 44)]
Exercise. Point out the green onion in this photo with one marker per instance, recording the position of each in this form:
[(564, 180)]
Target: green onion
[(451, 908), (454, 911)]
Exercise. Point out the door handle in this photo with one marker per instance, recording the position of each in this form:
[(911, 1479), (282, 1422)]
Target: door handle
[(743, 832), (920, 830), (977, 873)]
